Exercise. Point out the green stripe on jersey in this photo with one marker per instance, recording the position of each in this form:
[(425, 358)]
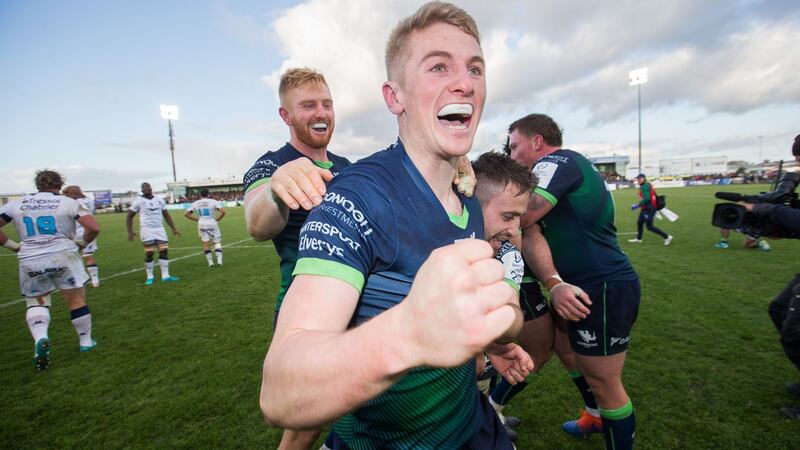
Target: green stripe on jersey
[(547, 196), (323, 164), (257, 184), (462, 220), (323, 267), (512, 283)]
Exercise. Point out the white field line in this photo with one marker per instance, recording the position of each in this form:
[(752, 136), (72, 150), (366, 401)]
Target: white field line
[(127, 272)]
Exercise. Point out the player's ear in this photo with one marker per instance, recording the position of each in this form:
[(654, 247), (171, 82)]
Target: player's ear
[(393, 97), (285, 115)]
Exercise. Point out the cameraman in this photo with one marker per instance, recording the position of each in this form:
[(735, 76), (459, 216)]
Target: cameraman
[(785, 308)]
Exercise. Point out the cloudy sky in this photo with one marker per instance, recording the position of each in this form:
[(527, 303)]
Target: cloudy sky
[(82, 81)]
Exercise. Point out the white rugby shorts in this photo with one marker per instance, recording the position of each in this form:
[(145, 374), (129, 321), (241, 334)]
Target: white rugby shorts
[(209, 233), (44, 274), (153, 234)]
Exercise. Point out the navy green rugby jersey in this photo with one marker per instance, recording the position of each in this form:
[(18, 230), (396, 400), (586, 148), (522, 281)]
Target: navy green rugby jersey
[(378, 223), (580, 228), (286, 242)]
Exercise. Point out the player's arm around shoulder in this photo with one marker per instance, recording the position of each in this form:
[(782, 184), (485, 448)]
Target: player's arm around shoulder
[(295, 184), (263, 216)]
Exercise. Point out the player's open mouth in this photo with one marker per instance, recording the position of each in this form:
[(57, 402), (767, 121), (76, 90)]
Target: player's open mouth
[(456, 116), (321, 127)]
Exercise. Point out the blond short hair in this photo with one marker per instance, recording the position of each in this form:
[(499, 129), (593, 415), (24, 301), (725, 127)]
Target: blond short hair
[(294, 78), (427, 15)]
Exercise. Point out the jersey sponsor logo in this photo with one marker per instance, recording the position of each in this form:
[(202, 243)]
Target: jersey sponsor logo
[(589, 339), (620, 341), (263, 168), (328, 229), (361, 222), (544, 172), (47, 271), (39, 204), (319, 245)]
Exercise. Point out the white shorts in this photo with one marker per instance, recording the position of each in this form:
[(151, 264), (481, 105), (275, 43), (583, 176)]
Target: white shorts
[(42, 275), (209, 233), (89, 249), (152, 235)]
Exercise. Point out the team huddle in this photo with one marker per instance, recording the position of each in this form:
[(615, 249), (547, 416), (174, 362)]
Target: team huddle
[(393, 261)]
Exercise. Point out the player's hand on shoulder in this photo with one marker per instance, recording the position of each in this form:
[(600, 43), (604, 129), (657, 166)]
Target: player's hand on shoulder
[(465, 177), (299, 183), (457, 305), (570, 302)]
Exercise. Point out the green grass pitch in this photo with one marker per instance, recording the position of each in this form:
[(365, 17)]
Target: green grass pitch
[(179, 365)]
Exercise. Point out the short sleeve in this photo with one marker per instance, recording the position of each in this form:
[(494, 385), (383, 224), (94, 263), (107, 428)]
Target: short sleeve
[(81, 210), (135, 205), (348, 235), (260, 172), (163, 204), (5, 212), (556, 177)]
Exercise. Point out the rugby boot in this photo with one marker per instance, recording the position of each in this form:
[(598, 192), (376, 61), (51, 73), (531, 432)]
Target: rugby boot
[(41, 359), (721, 244), (170, 279), (88, 348), (148, 282), (584, 425)]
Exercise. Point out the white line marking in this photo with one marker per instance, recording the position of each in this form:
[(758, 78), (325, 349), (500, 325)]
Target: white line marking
[(128, 272)]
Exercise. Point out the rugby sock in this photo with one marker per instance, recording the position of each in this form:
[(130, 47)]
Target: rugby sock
[(586, 393), (209, 258), (218, 251), (94, 273), (148, 267), (82, 321), (619, 427), (505, 391), (38, 318), (164, 264)]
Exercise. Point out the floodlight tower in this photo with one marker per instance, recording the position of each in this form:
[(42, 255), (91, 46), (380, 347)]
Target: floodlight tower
[(170, 112), (638, 77)]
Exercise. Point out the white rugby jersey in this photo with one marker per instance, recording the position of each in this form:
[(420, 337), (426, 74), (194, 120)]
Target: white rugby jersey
[(45, 223), (149, 210), (87, 203), (206, 209)]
